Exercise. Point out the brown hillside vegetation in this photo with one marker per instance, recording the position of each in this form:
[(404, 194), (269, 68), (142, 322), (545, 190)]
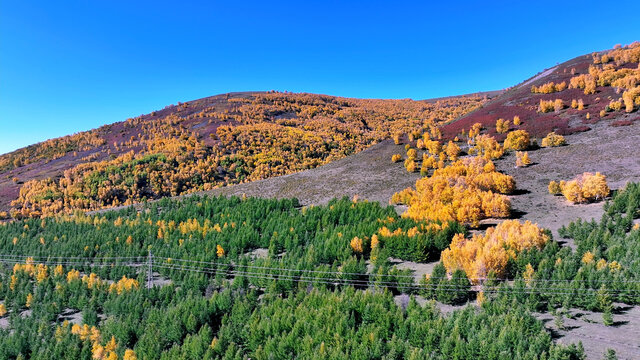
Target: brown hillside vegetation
[(567, 98), (205, 144)]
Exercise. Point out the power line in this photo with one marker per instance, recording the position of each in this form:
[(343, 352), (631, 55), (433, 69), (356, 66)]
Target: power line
[(369, 274), (328, 280), (16, 256), (295, 277), (395, 285)]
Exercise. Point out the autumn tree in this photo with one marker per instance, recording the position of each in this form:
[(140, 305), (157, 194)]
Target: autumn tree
[(410, 165), (546, 106), (467, 190), (522, 159), (555, 188), (412, 154), (552, 140), (502, 126), (558, 105), (549, 88), (475, 131), (631, 99), (615, 105), (516, 120), (517, 140), (584, 188), (452, 151), (491, 252), (486, 146)]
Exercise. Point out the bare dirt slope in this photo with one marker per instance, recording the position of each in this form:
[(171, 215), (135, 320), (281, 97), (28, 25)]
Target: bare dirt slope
[(587, 327), (369, 174), (607, 149)]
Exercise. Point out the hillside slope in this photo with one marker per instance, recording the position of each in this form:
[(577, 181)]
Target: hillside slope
[(596, 80), (204, 144), (276, 257), (371, 174)]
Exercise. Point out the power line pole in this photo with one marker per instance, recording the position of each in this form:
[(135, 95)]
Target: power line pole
[(149, 270)]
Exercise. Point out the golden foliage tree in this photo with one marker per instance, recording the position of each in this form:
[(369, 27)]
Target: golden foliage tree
[(502, 126), (467, 191), (631, 99), (522, 159), (558, 105), (552, 139), (517, 140), (356, 245), (516, 120), (587, 187), (491, 252), (545, 106), (475, 130), (452, 150), (549, 88), (410, 165), (555, 188), (486, 146), (615, 105), (396, 138), (219, 251)]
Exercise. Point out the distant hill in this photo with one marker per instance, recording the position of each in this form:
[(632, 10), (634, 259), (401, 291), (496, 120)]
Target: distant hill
[(204, 144), (242, 137)]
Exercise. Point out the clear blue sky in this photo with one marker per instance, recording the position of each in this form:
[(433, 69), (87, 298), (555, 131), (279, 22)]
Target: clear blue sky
[(67, 66)]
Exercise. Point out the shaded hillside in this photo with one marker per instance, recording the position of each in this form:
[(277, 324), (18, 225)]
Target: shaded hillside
[(204, 144)]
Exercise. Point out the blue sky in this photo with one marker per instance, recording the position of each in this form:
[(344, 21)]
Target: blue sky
[(67, 66)]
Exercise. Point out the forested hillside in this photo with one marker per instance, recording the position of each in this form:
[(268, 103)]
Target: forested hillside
[(214, 296), (203, 144), (243, 277)]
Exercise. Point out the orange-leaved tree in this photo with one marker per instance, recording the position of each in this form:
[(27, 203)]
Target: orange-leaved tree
[(467, 191), (585, 188), (552, 139), (517, 140), (491, 252), (522, 159)]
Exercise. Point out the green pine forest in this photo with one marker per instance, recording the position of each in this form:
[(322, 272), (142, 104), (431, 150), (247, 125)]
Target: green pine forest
[(248, 278)]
